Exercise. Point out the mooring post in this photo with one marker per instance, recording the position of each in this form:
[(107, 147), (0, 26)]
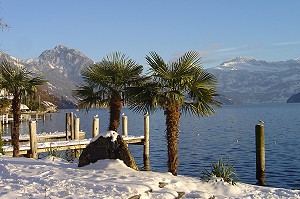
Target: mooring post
[(44, 117), (146, 142), (6, 118), (260, 153), (124, 125), (67, 125), (33, 140), (72, 125), (95, 127), (76, 129)]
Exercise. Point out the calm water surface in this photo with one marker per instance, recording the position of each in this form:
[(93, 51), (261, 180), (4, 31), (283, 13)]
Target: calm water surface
[(230, 133)]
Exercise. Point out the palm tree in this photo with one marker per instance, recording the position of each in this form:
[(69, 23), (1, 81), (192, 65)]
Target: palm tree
[(106, 83), (181, 86), (17, 81)]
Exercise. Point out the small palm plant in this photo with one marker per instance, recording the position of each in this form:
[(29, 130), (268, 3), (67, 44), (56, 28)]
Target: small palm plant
[(223, 170)]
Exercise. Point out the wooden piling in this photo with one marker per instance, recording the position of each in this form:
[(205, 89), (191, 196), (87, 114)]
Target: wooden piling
[(260, 154), (76, 128), (95, 127), (6, 118), (146, 142), (44, 117), (67, 125), (124, 125), (33, 140), (72, 125)]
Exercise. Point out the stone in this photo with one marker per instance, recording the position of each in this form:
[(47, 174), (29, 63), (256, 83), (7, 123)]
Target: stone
[(106, 148)]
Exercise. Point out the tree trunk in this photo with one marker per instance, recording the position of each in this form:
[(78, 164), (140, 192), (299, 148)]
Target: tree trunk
[(115, 112), (172, 121), (16, 103)]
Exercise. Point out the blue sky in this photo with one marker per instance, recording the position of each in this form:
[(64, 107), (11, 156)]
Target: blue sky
[(220, 30)]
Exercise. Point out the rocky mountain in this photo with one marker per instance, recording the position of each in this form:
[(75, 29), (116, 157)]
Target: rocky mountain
[(61, 66), (254, 81), (240, 80)]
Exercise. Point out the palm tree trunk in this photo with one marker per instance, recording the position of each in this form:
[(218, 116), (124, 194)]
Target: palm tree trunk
[(172, 121), (16, 103), (115, 111)]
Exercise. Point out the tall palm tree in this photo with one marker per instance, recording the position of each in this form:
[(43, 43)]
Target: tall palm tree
[(181, 86), (105, 84), (17, 81)]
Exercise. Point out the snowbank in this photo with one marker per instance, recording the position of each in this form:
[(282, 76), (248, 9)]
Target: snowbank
[(55, 178)]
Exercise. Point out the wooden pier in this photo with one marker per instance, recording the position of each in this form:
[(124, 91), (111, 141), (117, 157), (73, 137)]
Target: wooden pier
[(73, 139), (44, 137), (65, 145)]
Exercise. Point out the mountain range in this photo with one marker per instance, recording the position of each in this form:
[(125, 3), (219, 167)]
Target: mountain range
[(258, 81), (240, 80), (61, 66)]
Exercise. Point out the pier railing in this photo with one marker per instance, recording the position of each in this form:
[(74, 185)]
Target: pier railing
[(74, 139)]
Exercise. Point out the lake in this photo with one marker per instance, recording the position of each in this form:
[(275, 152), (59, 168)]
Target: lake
[(229, 134)]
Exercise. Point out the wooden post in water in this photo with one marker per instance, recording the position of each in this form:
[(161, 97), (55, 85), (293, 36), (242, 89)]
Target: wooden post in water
[(76, 135), (33, 140), (260, 153), (147, 142), (95, 127), (44, 117), (124, 125), (76, 129), (67, 125), (72, 125), (6, 118)]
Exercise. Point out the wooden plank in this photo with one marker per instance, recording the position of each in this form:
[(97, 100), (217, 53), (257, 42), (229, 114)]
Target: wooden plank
[(49, 137), (67, 145)]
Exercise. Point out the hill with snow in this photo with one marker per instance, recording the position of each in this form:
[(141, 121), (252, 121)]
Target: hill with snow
[(61, 66), (257, 81), (240, 80)]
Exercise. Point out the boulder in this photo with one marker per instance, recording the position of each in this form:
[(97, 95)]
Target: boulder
[(107, 147)]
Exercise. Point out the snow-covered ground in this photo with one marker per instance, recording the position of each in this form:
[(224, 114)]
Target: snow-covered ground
[(55, 178)]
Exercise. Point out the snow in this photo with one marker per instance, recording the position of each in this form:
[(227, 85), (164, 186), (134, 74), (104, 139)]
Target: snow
[(253, 65), (106, 134), (55, 178)]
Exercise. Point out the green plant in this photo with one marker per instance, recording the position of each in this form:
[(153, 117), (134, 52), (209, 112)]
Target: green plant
[(223, 170), (53, 152)]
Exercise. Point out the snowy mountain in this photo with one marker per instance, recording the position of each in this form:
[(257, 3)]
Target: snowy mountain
[(256, 81), (240, 80), (61, 66)]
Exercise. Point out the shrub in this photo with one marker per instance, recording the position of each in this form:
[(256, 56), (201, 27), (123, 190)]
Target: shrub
[(222, 170)]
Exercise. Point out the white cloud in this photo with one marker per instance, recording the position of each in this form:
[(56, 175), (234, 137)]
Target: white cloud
[(286, 43)]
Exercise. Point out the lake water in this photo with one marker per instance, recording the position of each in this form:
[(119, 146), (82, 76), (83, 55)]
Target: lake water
[(230, 133)]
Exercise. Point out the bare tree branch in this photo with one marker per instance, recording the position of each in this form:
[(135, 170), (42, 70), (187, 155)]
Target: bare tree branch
[(3, 25)]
